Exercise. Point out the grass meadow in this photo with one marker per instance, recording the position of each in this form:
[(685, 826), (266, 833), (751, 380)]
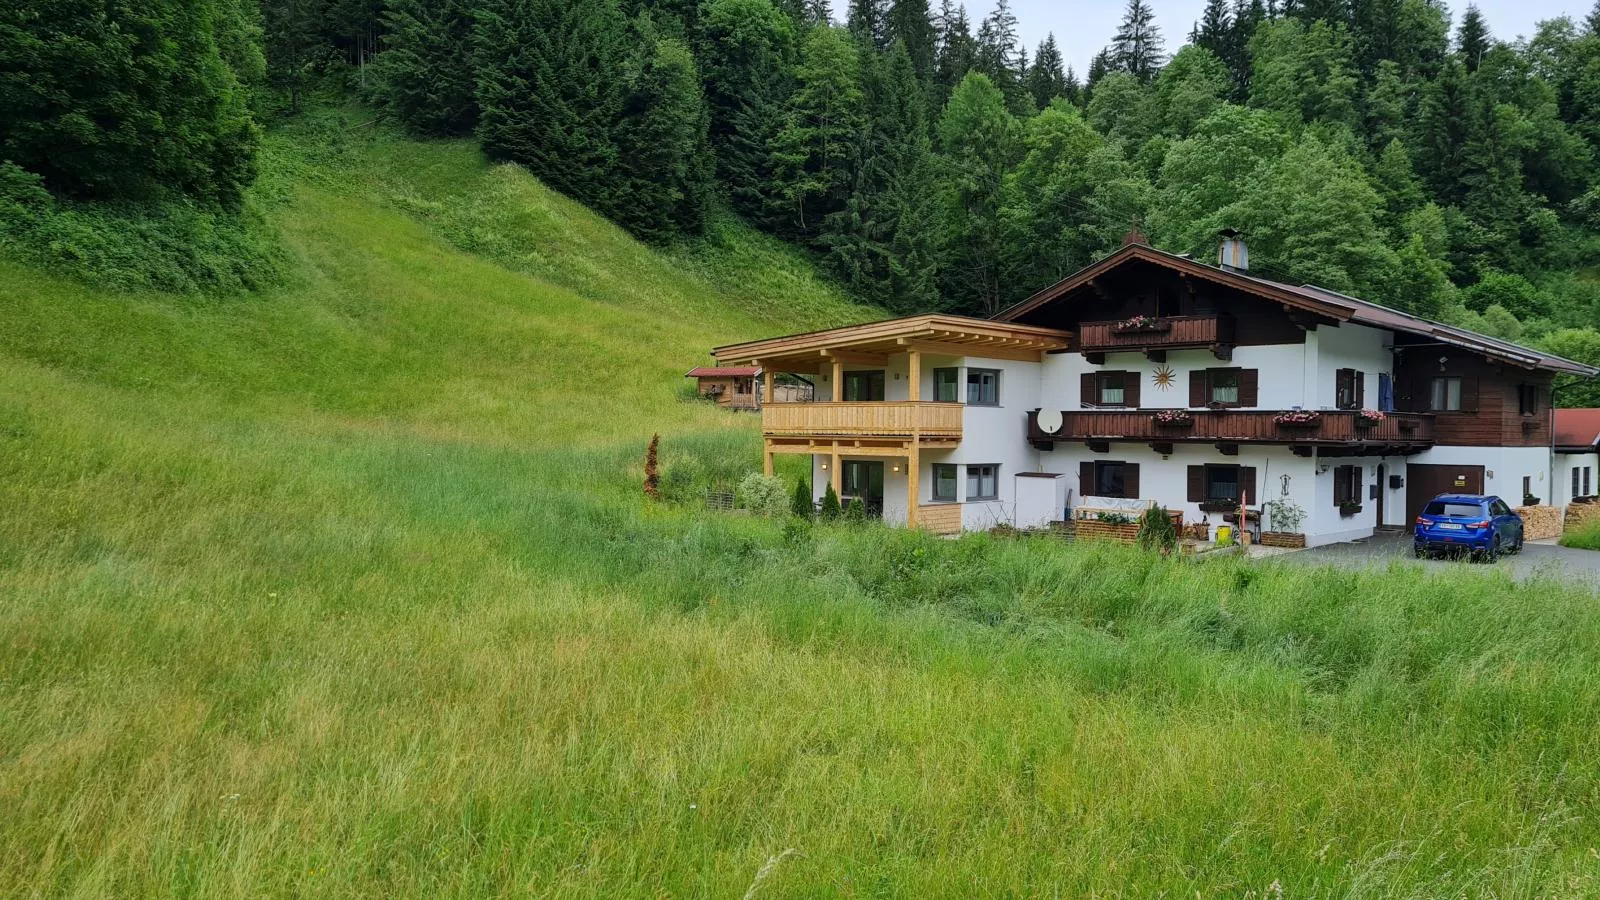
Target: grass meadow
[(348, 589)]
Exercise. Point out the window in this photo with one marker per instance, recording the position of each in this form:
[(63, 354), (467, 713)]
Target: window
[(1349, 388), (983, 387), (947, 385), (1110, 479), (983, 482), (745, 386), (1454, 510), (1575, 492), (1446, 395), (863, 387), (1346, 485), (1224, 384), (1110, 391), (944, 483), (1527, 486), (1222, 482), (1528, 399), (1499, 508)]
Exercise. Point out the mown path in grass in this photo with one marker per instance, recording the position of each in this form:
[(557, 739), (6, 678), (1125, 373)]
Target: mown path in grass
[(349, 591)]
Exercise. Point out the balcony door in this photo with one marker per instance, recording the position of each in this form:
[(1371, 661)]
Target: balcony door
[(863, 480), (863, 387)]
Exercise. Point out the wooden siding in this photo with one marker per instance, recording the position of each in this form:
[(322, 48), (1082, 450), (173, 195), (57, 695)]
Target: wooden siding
[(1235, 426), (940, 518), (1491, 412), (893, 419), (1179, 332)]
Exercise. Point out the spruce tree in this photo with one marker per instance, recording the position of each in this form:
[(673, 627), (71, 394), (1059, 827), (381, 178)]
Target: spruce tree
[(662, 141), (549, 96), (1472, 40), (869, 21), (957, 52), (1439, 133), (816, 153), (978, 139), (802, 505), (1214, 31), (427, 71), (830, 505), (1138, 48), (1071, 89), (747, 64), (1591, 22), (1046, 80), (997, 52), (911, 23)]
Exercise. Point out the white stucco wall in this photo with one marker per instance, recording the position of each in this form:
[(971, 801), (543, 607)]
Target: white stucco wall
[(1504, 467), (1347, 347), (1282, 368), (1561, 492)]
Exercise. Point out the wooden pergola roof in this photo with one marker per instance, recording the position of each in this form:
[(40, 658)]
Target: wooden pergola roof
[(873, 342)]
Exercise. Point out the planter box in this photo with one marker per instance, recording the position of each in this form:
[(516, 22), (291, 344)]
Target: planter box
[(1157, 327), (1284, 539), (1351, 512), (1091, 530)]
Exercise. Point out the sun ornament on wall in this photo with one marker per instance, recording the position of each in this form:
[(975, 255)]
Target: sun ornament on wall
[(1165, 378)]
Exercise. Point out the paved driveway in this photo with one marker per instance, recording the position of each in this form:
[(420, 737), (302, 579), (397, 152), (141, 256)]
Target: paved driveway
[(1384, 549)]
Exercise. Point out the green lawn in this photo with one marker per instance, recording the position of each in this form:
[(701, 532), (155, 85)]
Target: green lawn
[(348, 590)]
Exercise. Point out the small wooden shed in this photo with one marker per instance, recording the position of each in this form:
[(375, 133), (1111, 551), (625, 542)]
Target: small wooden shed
[(733, 387)]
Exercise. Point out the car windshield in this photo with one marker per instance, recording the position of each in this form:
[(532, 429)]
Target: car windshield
[(1457, 510)]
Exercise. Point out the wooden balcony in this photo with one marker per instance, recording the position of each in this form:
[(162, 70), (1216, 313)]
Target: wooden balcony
[(1400, 431), (930, 422), (1162, 334)]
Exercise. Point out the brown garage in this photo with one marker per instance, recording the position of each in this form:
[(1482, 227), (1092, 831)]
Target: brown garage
[(1423, 483)]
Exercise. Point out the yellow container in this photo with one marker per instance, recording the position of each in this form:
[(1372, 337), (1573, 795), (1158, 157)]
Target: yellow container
[(1224, 534)]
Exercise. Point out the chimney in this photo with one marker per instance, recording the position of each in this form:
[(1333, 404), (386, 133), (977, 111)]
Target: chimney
[(1235, 256)]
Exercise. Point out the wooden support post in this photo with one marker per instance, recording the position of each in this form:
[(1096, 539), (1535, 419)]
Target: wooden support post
[(916, 376), (835, 476), (767, 390), (838, 381), (913, 489), (766, 457)]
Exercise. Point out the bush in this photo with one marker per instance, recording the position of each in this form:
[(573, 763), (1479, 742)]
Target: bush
[(763, 495), (1284, 515), (830, 505), (802, 505), (855, 511), (1156, 531)]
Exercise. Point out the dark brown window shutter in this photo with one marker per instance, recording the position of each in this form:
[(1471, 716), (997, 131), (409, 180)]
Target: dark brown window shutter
[(1249, 387), (1344, 388), (1130, 389), (1086, 479), (1355, 484), (1361, 390), (1469, 394), (1341, 484), (1247, 484), (1130, 481), (1090, 390), (1197, 484), (1197, 388)]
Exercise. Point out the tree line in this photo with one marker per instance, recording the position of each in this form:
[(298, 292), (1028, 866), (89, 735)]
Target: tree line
[(1370, 146)]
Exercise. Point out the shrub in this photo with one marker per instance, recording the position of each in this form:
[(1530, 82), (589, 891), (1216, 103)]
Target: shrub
[(830, 505), (802, 505), (855, 511), (1285, 515), (762, 494), (1156, 531), (652, 470)]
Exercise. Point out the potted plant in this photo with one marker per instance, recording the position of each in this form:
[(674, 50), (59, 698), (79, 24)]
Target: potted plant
[(1172, 418), (1370, 418), (1348, 508), (1298, 418), (1218, 506), (1285, 517), (1530, 500)]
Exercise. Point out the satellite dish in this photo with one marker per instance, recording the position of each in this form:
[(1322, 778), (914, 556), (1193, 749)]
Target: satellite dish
[(1050, 420)]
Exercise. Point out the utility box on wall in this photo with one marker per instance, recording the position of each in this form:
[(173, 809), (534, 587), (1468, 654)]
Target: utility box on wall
[(1396, 482), (1041, 499)]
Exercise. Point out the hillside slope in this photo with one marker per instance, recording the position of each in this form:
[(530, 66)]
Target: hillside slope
[(349, 590)]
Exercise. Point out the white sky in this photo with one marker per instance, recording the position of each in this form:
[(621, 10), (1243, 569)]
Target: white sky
[(1083, 28)]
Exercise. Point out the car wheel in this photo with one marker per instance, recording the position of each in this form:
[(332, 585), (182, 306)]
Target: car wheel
[(1492, 555), (1421, 552), (1517, 547)]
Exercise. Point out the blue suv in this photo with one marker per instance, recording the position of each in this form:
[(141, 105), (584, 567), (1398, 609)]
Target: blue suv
[(1468, 523)]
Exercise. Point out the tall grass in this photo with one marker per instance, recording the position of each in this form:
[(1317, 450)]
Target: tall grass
[(350, 590)]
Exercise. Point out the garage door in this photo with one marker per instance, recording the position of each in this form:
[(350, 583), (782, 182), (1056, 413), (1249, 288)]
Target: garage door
[(1423, 483)]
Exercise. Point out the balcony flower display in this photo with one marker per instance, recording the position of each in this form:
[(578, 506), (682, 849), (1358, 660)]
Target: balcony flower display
[(1172, 418), (1369, 418), (1139, 324), (1298, 418)]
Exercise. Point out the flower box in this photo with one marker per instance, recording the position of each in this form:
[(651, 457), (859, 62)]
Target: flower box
[(1299, 418), (1370, 418), (1349, 509), (1141, 325), (1283, 539), (1173, 418), (1218, 506)]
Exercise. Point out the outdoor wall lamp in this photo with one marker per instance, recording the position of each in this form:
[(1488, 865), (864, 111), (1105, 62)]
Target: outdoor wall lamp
[(897, 468)]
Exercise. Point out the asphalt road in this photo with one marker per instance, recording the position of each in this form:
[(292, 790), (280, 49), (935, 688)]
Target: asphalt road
[(1384, 549)]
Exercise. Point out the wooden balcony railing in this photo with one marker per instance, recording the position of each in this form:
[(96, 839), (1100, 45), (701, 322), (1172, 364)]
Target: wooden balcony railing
[(1170, 333), (1237, 426), (893, 419)]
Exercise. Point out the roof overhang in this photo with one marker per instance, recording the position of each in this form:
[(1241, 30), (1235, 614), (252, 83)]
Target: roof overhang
[(1309, 298), (873, 343)]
